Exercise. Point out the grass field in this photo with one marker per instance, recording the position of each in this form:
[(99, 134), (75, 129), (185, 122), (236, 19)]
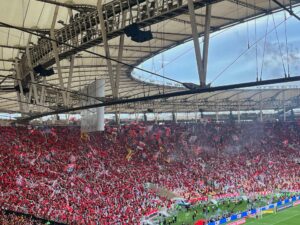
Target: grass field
[(185, 217), (286, 217), (289, 216)]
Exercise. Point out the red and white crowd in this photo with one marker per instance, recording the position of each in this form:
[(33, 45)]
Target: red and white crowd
[(61, 175)]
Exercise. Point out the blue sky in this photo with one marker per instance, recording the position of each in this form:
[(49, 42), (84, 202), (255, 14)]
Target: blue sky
[(226, 46)]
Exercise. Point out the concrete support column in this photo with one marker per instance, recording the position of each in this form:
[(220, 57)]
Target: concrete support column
[(100, 92), (195, 36), (284, 106), (260, 107), (239, 109), (201, 63)]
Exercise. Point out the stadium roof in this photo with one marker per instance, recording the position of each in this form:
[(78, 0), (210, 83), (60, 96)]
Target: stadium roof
[(169, 22)]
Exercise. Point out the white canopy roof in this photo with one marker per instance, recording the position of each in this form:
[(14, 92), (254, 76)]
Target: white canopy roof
[(170, 26)]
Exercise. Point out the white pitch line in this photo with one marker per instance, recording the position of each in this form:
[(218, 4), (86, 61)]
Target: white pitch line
[(285, 219), (277, 222)]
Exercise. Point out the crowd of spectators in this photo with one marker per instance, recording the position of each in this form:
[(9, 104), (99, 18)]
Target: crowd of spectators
[(17, 219), (103, 178)]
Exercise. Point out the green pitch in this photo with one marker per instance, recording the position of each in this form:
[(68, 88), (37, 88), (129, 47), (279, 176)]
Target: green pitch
[(289, 216), (185, 217)]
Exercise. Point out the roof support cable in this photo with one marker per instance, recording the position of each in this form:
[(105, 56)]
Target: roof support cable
[(25, 102), (247, 12), (87, 51), (256, 50), (264, 49), (162, 54), (279, 46), (256, 46), (53, 87), (167, 95), (290, 11), (287, 47), (246, 50)]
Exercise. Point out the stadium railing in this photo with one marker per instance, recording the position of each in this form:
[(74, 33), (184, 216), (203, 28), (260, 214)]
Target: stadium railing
[(279, 205)]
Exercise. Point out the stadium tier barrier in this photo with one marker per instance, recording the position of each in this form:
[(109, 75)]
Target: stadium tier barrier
[(280, 205), (231, 196), (222, 197), (30, 216), (238, 222), (202, 199), (296, 203)]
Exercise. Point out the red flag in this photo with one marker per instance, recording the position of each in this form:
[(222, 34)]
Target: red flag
[(155, 156), (142, 144), (72, 159), (69, 208), (168, 132), (70, 167), (197, 150), (20, 181)]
